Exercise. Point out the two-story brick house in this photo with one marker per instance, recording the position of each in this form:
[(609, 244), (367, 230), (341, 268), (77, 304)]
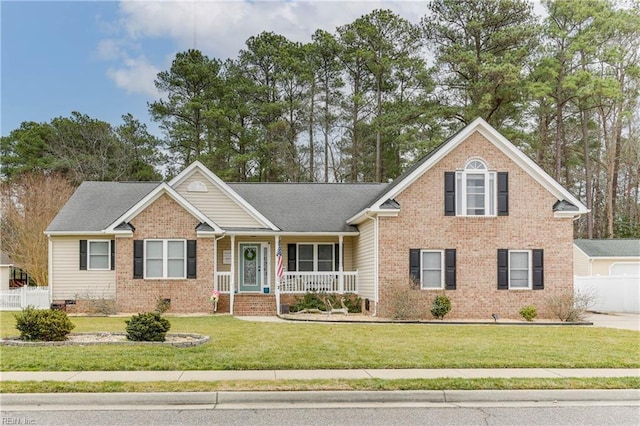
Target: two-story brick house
[(476, 218)]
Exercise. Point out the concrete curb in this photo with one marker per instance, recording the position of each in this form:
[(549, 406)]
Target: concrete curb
[(315, 397)]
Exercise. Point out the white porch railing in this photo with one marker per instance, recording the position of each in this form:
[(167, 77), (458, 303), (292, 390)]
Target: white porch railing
[(18, 298), (223, 281), (329, 282)]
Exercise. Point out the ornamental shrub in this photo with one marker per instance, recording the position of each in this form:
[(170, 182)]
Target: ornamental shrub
[(441, 306), (43, 324), (147, 327), (528, 313)]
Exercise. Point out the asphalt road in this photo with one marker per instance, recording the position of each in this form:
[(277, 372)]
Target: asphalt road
[(592, 413)]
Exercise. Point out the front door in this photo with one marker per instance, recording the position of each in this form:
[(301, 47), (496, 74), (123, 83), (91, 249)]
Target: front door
[(250, 269)]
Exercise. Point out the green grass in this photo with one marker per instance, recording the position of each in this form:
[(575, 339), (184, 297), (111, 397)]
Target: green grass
[(323, 385), (243, 345)]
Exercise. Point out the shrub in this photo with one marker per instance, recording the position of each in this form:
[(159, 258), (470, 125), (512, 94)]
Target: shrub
[(163, 305), (441, 306), (315, 300), (572, 307), (528, 313), (405, 302), (147, 327), (43, 324)]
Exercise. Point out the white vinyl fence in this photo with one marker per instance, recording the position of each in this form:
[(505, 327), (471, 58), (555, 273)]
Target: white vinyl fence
[(18, 298), (615, 293)]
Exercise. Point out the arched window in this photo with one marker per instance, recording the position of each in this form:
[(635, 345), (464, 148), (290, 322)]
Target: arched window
[(475, 190)]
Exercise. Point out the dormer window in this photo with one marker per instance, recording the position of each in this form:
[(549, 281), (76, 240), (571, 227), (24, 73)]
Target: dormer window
[(475, 190)]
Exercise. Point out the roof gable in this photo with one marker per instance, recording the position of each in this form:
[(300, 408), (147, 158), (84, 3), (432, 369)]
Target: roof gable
[(150, 198), (500, 142), (225, 189)]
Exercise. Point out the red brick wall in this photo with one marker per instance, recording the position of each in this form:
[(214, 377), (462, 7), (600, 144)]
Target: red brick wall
[(530, 225), (164, 219)]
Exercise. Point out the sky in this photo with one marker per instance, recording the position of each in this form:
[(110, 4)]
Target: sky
[(100, 58)]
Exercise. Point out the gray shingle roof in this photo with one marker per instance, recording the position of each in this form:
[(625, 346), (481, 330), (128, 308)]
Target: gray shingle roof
[(309, 207), (609, 248), (96, 205)]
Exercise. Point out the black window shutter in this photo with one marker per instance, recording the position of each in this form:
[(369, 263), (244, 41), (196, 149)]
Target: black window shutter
[(191, 258), (138, 258), (291, 257), (336, 257), (83, 255), (112, 244), (538, 269), (503, 269), (503, 194), (450, 269), (449, 193), (414, 264)]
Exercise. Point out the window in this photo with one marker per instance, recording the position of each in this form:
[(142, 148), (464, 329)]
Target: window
[(165, 259), (99, 255), (315, 257), (475, 190), (519, 269), (431, 269)]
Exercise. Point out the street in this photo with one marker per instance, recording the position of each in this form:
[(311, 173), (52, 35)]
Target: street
[(370, 414)]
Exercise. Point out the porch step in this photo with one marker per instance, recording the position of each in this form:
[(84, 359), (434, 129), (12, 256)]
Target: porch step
[(254, 304)]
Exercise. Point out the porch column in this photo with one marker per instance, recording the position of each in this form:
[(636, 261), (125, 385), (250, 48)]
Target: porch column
[(341, 261), (232, 278), (278, 250)]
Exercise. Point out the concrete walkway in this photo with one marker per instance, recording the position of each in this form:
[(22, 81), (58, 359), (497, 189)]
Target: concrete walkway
[(185, 376)]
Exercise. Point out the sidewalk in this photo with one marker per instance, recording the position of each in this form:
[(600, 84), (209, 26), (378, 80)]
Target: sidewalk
[(185, 376)]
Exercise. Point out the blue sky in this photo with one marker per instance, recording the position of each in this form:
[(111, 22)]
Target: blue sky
[(100, 57)]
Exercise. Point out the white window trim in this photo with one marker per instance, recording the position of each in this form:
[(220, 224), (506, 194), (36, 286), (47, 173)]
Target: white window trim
[(108, 268), (442, 270), (165, 259), (529, 272), (315, 256), (490, 185)]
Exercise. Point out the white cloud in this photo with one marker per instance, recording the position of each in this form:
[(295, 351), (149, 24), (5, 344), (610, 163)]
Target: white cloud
[(135, 75), (219, 29)]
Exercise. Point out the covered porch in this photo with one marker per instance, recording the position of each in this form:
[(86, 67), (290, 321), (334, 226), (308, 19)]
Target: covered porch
[(259, 267)]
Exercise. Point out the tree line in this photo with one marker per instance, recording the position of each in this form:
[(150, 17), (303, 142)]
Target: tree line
[(365, 101)]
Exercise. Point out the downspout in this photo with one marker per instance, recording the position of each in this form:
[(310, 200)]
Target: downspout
[(50, 269), (375, 262), (277, 289), (232, 283)]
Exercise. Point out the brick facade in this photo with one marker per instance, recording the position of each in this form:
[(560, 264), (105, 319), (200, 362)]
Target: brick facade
[(164, 219), (530, 225)]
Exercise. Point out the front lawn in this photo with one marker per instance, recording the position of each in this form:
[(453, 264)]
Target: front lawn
[(243, 345)]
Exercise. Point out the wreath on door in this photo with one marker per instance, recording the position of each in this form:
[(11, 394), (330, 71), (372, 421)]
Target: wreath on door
[(249, 254)]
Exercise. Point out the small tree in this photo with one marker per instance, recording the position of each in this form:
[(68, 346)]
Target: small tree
[(29, 204)]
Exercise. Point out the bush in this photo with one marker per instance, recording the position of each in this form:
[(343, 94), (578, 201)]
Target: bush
[(43, 324), (441, 306), (163, 305), (406, 302), (528, 313), (317, 301), (572, 307), (147, 327)]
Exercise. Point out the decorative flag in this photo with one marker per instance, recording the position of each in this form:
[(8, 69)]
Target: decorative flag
[(280, 271)]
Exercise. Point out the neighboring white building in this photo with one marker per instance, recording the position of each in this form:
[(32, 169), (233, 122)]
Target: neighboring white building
[(606, 257)]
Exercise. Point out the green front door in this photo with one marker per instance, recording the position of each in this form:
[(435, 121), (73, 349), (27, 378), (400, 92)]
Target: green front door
[(250, 272)]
